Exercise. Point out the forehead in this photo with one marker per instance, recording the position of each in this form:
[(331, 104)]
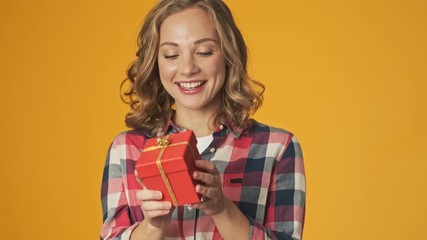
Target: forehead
[(188, 25)]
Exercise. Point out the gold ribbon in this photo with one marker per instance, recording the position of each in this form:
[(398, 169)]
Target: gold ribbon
[(162, 144)]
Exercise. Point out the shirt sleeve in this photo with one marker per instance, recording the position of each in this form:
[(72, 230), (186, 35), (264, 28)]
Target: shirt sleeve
[(117, 222), (285, 208)]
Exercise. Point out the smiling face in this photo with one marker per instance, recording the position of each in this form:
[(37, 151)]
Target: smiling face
[(190, 60)]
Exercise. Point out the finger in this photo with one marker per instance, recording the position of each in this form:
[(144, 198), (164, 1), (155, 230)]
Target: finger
[(208, 192), (206, 178), (156, 213), (196, 205), (146, 195), (201, 205), (206, 166), (156, 206)]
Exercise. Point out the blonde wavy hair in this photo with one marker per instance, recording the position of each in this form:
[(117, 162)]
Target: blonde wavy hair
[(151, 105)]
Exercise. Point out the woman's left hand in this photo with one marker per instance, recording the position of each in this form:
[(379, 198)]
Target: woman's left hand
[(213, 199)]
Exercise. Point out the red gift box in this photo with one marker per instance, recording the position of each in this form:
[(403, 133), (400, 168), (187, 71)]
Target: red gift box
[(167, 164)]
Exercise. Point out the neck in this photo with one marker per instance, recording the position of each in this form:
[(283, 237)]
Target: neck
[(201, 123)]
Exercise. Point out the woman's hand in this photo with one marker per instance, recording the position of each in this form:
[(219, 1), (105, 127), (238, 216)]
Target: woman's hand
[(156, 212), (213, 199)]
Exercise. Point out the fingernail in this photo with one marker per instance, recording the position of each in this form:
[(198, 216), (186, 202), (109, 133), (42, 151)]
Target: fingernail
[(198, 188)]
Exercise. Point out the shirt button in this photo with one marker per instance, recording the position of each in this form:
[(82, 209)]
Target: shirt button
[(221, 126), (212, 150)]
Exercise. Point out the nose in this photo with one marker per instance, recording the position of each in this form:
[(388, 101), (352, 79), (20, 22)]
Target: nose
[(188, 66)]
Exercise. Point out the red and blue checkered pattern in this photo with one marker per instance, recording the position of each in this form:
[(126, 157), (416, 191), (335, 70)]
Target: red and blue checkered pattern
[(262, 172)]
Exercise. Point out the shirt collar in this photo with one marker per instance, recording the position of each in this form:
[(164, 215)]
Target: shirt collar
[(227, 125), (171, 127)]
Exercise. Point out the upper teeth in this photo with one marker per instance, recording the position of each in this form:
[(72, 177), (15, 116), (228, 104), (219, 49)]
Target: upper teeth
[(190, 85)]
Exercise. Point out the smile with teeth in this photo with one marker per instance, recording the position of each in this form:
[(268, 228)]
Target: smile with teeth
[(190, 85)]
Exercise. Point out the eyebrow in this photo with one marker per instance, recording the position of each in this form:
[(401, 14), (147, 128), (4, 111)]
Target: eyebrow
[(195, 43)]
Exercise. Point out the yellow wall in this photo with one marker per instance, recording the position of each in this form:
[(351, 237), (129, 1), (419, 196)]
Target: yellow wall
[(347, 77)]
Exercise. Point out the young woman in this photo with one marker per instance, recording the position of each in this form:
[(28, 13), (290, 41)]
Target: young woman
[(190, 74)]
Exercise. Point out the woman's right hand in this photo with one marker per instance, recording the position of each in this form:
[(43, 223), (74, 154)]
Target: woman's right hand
[(156, 212)]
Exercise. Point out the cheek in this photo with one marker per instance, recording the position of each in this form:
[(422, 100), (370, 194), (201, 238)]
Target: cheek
[(216, 68), (166, 70), (221, 72)]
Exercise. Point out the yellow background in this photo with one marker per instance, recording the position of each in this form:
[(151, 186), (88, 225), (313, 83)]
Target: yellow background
[(347, 77)]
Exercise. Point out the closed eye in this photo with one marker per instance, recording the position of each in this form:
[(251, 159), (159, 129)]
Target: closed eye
[(205, 54), (173, 56)]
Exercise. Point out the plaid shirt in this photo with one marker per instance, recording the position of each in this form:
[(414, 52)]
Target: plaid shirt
[(262, 172)]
